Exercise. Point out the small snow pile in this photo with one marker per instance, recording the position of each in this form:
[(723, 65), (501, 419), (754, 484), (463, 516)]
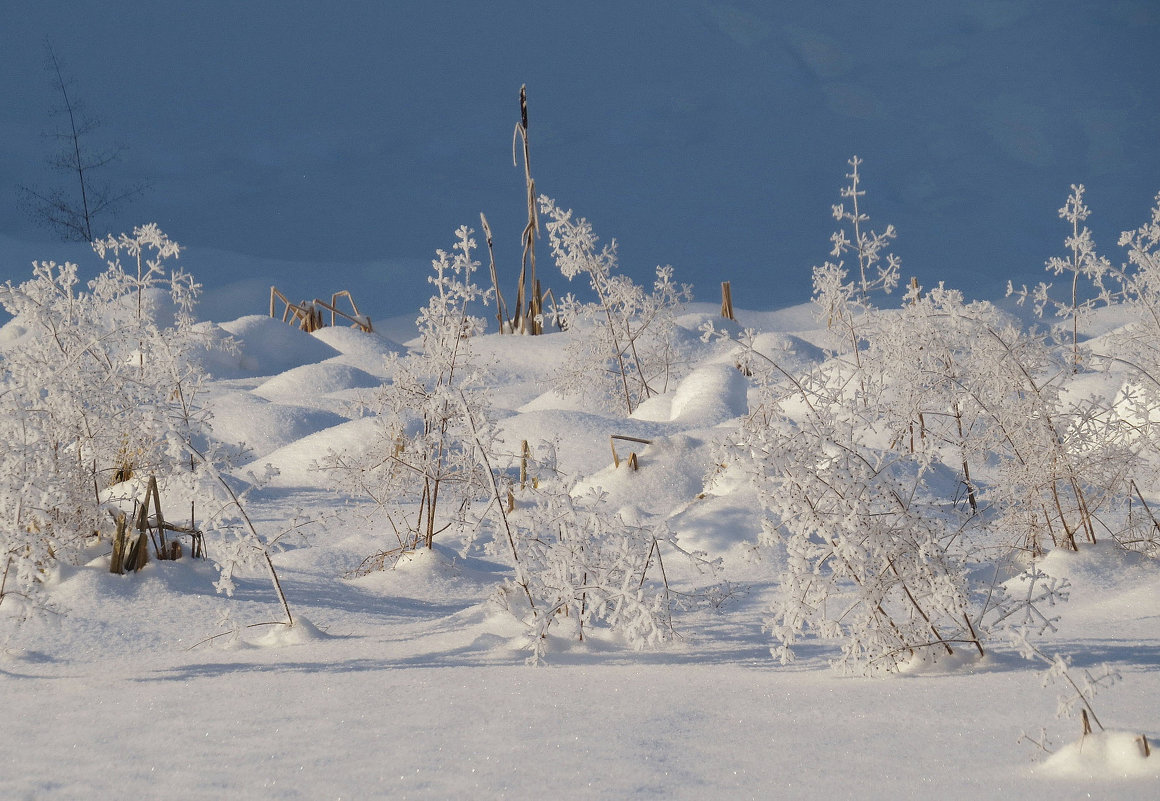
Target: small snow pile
[(710, 395), (296, 463), (266, 347), (368, 351), (307, 380), (281, 635), (1106, 755)]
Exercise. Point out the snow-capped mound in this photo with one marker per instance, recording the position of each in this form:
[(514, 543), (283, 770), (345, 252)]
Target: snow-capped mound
[(580, 439), (358, 348), (1101, 568), (1103, 755), (671, 473), (297, 463), (12, 332), (279, 635), (265, 347), (316, 379), (710, 395), (243, 417), (552, 400)]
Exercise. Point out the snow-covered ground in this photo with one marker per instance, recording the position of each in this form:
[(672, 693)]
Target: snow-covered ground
[(411, 682)]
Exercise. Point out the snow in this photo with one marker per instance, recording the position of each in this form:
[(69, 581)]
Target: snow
[(1106, 755), (713, 136), (410, 683)]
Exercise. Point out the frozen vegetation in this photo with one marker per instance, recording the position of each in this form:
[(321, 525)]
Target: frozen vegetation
[(893, 543)]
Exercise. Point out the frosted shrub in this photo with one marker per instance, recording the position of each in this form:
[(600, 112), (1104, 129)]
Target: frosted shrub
[(1137, 345), (96, 384), (868, 554), (421, 469), (1083, 263), (840, 302), (963, 386), (580, 566), (852, 459), (621, 349)]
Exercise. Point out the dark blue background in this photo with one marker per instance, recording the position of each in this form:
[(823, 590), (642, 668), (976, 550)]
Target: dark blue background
[(352, 138)]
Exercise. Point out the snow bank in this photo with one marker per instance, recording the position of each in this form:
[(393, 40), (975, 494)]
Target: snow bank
[(710, 395), (316, 379), (265, 347), (265, 426), (1105, 755)]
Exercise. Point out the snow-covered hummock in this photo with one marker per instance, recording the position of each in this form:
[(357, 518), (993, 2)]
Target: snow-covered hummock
[(410, 683), (1102, 756)]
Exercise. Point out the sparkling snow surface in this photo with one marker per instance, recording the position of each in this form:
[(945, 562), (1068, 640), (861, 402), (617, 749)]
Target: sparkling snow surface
[(408, 683)]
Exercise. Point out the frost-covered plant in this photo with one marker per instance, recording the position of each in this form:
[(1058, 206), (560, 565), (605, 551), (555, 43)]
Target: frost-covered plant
[(982, 397), (579, 566), (420, 467), (873, 558), (843, 303), (866, 244), (621, 349), (1061, 462), (869, 557), (1082, 263), (238, 545), (851, 461), (1137, 345), (95, 385), (920, 363)]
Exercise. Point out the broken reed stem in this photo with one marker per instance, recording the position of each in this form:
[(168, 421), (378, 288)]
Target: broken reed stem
[(525, 454), (527, 311), (307, 315), (500, 308), (727, 301), (117, 560), (632, 459)]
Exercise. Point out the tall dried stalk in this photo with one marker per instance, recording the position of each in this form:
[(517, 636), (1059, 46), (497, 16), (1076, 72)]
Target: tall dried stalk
[(500, 306), (529, 303)]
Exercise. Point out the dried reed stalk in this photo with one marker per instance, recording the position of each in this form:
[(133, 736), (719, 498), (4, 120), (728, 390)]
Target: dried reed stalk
[(500, 306), (117, 560), (529, 304), (632, 460)]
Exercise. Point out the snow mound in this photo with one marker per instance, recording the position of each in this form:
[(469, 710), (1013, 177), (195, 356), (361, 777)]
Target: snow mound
[(710, 395), (296, 462), (368, 351), (1101, 568), (1106, 755), (313, 379), (671, 473), (580, 439), (552, 400), (436, 572), (264, 426), (266, 347), (281, 635)]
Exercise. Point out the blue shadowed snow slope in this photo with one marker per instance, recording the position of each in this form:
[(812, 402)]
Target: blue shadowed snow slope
[(344, 143)]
